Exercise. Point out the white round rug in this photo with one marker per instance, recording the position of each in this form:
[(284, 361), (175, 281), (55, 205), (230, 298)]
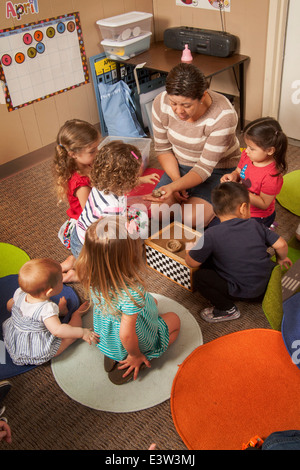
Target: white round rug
[(79, 371)]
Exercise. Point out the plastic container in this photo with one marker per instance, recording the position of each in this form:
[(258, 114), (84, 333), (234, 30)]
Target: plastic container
[(143, 144), (126, 49), (127, 26)]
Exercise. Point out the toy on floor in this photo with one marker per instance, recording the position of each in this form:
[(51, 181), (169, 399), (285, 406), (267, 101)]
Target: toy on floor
[(255, 443), (171, 263)]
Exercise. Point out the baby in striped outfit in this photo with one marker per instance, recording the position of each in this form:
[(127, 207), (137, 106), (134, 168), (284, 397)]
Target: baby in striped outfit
[(33, 334)]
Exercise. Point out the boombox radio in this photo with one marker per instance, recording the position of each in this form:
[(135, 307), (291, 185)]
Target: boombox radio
[(201, 41)]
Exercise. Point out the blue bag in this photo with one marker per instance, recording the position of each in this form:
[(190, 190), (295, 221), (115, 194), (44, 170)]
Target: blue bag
[(119, 111)]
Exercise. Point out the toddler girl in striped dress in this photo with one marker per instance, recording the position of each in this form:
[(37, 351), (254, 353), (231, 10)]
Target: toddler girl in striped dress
[(110, 268), (33, 334)]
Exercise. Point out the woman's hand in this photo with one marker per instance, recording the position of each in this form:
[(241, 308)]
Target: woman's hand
[(170, 191)]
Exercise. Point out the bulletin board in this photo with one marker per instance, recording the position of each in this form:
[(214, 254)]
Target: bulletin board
[(42, 59)]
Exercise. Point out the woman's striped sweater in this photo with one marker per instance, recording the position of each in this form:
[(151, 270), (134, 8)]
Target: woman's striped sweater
[(203, 145)]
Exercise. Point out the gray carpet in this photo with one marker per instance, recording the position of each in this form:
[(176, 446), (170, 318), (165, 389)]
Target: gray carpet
[(40, 414)]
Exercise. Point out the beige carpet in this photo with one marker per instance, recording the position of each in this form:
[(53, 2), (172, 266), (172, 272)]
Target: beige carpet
[(80, 373), (41, 415)]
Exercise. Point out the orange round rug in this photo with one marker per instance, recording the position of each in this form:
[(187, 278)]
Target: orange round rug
[(234, 388)]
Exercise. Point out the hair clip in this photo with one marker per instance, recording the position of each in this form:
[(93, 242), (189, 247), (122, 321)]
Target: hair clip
[(61, 146), (132, 227), (135, 156)]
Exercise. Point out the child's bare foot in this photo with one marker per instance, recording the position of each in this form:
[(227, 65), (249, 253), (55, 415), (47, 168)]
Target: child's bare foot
[(70, 276), (68, 264)]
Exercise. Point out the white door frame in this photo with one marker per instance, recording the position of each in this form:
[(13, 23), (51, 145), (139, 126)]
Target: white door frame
[(278, 12)]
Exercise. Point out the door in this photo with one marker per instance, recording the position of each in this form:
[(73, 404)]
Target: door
[(289, 108)]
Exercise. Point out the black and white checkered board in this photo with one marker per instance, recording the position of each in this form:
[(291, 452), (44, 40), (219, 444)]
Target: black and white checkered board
[(169, 267)]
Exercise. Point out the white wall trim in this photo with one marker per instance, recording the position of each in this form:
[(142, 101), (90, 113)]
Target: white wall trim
[(278, 11)]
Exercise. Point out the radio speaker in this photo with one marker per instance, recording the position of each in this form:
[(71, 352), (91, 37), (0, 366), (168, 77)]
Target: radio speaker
[(201, 41)]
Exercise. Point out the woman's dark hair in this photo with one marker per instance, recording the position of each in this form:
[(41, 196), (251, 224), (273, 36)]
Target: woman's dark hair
[(186, 80), (266, 132), (227, 197)]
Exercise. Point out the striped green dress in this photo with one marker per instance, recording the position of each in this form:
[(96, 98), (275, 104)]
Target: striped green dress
[(151, 329)]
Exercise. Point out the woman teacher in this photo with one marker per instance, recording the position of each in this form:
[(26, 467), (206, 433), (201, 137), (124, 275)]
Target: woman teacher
[(195, 139)]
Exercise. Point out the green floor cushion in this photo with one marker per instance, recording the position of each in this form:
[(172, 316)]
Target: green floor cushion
[(289, 195)]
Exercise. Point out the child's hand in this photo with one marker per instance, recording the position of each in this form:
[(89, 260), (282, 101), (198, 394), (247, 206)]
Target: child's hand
[(228, 177), (190, 245), (284, 263), (90, 336), (152, 179), (62, 305), (134, 363), (9, 304), (5, 432), (181, 196)]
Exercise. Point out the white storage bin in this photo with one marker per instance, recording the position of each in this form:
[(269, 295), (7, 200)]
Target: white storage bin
[(126, 49), (143, 144), (127, 26)]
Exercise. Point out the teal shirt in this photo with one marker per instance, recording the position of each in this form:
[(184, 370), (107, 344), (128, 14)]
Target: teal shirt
[(151, 329)]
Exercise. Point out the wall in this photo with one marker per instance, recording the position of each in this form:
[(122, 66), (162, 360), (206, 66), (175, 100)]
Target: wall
[(248, 20), (35, 126)]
